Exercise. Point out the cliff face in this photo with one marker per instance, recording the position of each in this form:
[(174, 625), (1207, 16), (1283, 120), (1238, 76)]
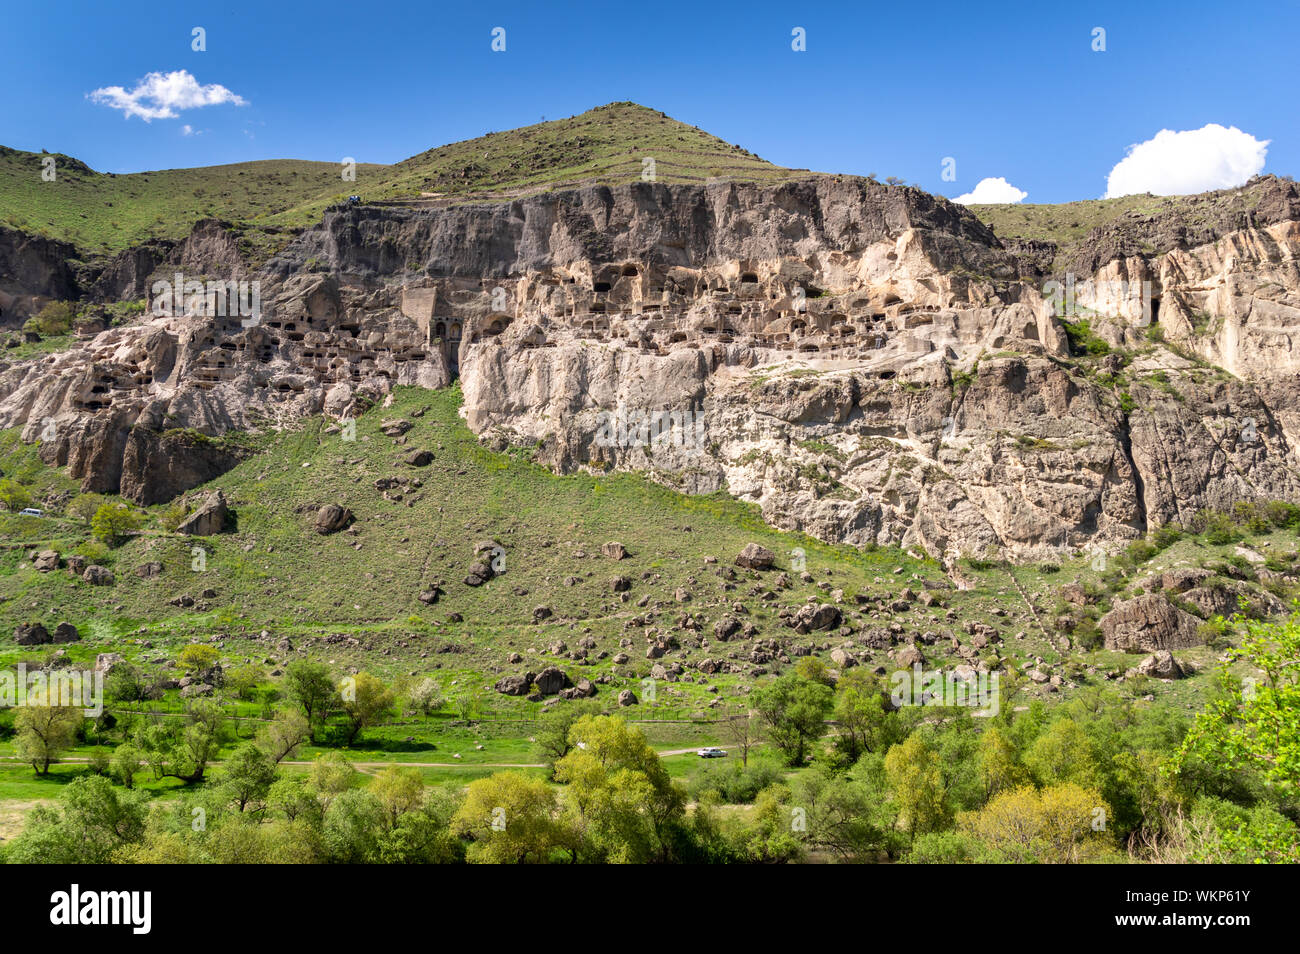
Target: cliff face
[(868, 364), (33, 270)]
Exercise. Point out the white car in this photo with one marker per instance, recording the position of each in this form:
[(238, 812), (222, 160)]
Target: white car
[(712, 753), (31, 512)]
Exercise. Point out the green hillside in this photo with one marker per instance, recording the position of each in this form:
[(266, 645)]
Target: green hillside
[(103, 212)]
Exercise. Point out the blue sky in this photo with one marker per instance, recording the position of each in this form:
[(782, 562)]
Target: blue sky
[(1010, 90)]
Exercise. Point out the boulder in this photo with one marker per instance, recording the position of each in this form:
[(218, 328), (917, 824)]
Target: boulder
[(754, 557), (620, 584), (811, 618), (725, 628), (1212, 600), (65, 633), (1148, 623), (104, 662), (332, 518), (1160, 665), (31, 634), (909, 656), (148, 570), (518, 684), (627, 698), (211, 517), (76, 564), (584, 689), (46, 561), (551, 680), (614, 550), (419, 458), (843, 659), (479, 573), (1182, 579), (98, 575)]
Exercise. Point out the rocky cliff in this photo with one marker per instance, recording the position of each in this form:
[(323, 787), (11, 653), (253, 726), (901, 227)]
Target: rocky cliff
[(866, 363)]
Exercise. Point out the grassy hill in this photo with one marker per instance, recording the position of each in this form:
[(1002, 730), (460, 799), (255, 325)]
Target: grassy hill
[(103, 212), (352, 598)]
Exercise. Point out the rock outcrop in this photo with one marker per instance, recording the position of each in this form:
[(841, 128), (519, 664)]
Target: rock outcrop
[(1148, 623), (867, 364)]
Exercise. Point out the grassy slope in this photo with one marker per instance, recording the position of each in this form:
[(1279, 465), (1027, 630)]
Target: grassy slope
[(101, 212), (1067, 222), (275, 573)]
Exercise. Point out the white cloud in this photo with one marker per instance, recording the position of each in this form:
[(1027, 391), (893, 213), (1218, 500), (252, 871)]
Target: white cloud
[(162, 95), (997, 190), (1195, 160), (187, 130)]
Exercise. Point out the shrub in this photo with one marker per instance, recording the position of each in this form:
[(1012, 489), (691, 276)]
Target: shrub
[(84, 507), (14, 495), (196, 657), (113, 523), (54, 319), (1167, 535), (1216, 528), (736, 784)]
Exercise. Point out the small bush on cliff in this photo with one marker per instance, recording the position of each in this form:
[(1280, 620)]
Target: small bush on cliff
[(54, 319)]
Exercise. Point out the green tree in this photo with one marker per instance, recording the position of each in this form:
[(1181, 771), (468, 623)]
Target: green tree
[(293, 798), (281, 737), (310, 686), (511, 818), (794, 710), (91, 821), (246, 777), (243, 680), (84, 507), (399, 790), (352, 826), (1000, 769), (183, 751), (43, 733), (126, 764), (1060, 824), (1254, 724), (14, 495), (916, 781), (113, 523), (623, 799), (1063, 754), (331, 776), (197, 657), (55, 318), (862, 723), (552, 733), (366, 702)]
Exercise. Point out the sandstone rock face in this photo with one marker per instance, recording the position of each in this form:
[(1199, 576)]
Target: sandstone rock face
[(1148, 623), (867, 364)]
